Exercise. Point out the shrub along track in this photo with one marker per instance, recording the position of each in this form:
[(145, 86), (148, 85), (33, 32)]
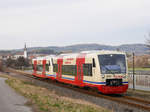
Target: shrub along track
[(127, 100)]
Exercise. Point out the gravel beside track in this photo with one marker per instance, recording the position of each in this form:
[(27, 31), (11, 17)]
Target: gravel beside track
[(114, 106)]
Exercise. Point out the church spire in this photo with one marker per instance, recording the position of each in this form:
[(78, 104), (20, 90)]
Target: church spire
[(25, 51), (25, 47)]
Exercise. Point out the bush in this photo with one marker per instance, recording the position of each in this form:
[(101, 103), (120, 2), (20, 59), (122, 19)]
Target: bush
[(20, 63)]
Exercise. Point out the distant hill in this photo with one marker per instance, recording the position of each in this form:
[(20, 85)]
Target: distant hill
[(139, 49)]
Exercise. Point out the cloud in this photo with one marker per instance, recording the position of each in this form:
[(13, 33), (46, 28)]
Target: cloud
[(73, 21)]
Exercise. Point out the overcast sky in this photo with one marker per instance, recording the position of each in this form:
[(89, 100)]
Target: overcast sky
[(67, 22)]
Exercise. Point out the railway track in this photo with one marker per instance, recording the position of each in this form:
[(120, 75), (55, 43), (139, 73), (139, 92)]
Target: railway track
[(127, 100)]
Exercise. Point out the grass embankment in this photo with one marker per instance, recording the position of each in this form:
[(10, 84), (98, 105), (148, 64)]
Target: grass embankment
[(140, 69), (47, 101)]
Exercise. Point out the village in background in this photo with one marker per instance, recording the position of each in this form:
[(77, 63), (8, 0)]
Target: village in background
[(21, 59)]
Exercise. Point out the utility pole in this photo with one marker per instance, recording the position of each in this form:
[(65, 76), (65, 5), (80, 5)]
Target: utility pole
[(133, 71)]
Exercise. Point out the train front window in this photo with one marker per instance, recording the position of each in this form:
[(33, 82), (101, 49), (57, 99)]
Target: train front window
[(112, 63)]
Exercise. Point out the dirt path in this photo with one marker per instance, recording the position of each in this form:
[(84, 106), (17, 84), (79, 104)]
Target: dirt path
[(10, 101)]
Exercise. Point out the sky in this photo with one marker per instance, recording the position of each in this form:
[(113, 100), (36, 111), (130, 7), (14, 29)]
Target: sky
[(68, 22)]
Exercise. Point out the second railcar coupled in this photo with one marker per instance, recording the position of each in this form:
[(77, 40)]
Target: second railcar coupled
[(104, 70)]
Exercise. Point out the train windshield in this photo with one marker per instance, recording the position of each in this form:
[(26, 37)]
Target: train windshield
[(112, 63)]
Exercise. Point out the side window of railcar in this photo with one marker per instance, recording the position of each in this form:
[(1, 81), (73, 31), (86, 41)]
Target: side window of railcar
[(39, 68), (69, 70), (87, 69), (55, 67), (32, 66), (47, 67), (52, 61)]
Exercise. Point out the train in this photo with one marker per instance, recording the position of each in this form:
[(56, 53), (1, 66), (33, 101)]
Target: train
[(103, 70)]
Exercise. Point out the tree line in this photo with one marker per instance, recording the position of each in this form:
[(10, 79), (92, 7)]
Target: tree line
[(19, 63)]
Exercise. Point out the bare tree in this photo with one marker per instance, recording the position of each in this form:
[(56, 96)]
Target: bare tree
[(1, 65), (147, 37), (22, 62), (19, 63)]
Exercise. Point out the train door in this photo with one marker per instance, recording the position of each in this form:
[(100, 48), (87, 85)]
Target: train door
[(44, 65), (59, 74), (79, 77), (34, 67)]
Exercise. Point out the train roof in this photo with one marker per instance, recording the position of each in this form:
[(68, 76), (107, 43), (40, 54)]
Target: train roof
[(89, 53), (102, 52), (45, 57), (85, 53)]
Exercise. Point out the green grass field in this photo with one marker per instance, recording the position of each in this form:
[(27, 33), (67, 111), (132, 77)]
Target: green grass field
[(140, 69)]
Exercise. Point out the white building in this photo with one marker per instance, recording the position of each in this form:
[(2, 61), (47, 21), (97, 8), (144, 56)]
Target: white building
[(23, 54)]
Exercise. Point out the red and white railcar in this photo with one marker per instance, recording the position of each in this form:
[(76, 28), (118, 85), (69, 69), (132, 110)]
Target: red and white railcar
[(104, 70)]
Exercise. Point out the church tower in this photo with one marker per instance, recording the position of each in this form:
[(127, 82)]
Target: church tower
[(25, 51)]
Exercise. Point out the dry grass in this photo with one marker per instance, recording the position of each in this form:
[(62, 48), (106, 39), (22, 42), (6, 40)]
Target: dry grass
[(48, 101)]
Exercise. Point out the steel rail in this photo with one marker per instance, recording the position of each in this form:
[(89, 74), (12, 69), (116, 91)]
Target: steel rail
[(131, 101)]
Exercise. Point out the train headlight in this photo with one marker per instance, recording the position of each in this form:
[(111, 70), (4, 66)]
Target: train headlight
[(103, 76)]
